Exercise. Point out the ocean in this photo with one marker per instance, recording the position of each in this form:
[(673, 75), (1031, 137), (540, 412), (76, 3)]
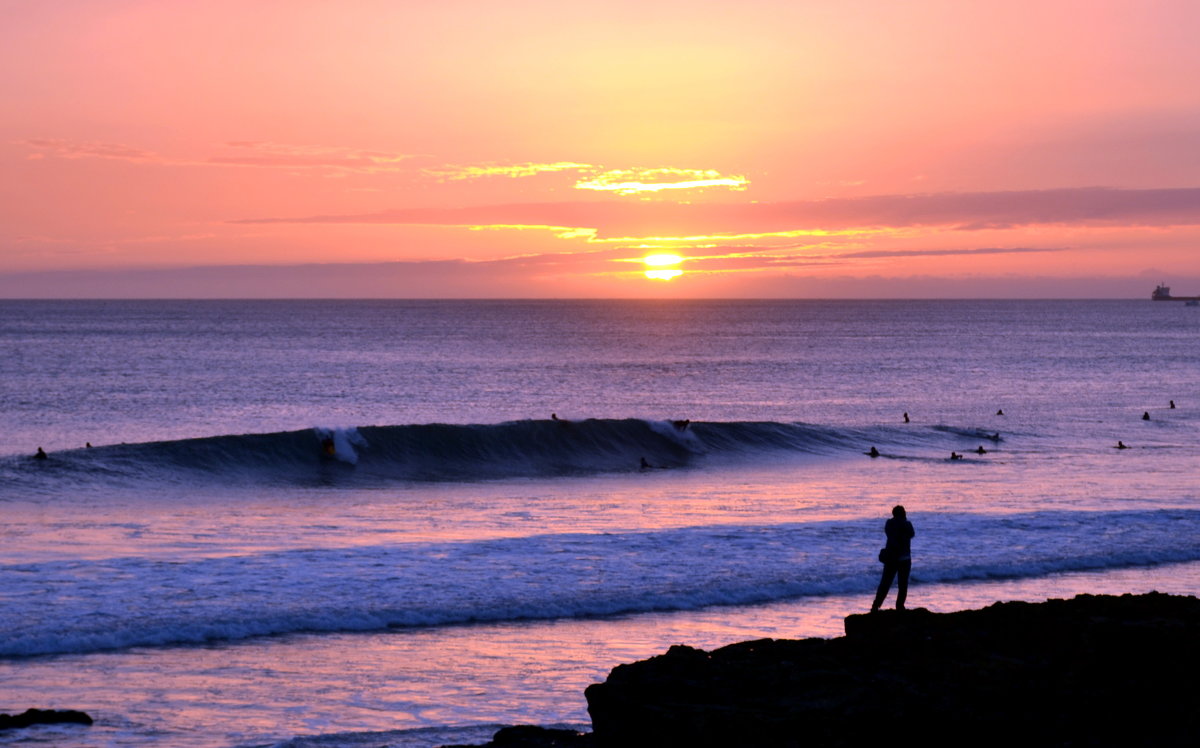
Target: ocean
[(408, 523)]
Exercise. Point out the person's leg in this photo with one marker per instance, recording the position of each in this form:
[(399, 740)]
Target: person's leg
[(885, 583), (903, 568)]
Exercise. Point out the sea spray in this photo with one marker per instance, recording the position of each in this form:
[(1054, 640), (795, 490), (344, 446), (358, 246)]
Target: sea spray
[(343, 441)]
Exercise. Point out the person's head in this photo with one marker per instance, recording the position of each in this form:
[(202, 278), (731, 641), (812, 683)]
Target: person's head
[(898, 512)]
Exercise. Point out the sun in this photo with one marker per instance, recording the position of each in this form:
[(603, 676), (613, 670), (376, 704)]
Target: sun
[(659, 267), (661, 260)]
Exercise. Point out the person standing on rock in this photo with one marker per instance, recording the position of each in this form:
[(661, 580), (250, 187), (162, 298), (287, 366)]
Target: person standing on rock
[(896, 557)]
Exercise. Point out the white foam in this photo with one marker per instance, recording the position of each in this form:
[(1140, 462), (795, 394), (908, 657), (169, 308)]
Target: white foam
[(345, 439), (125, 602)]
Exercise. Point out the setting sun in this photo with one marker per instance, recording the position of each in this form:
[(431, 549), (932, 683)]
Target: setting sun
[(661, 266)]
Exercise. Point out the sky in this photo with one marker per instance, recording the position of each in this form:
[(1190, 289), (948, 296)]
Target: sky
[(614, 148)]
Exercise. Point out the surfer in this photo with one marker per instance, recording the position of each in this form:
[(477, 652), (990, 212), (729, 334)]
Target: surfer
[(682, 425), (327, 447), (955, 456), (874, 452), (1146, 416), (1000, 412), (41, 455), (553, 416), (88, 445), (645, 465), (1122, 445), (1172, 405), (906, 416), (896, 557), (995, 437), (980, 450)]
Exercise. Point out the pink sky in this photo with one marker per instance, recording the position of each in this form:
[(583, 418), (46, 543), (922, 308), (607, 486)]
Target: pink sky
[(538, 148)]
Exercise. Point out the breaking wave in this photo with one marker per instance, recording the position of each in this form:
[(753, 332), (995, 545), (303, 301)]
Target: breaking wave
[(127, 602), (445, 452)]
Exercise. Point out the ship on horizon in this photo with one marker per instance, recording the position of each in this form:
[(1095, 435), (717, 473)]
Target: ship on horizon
[(1163, 293)]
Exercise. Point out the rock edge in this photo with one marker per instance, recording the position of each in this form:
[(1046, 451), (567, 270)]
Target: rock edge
[(31, 717), (1090, 671)]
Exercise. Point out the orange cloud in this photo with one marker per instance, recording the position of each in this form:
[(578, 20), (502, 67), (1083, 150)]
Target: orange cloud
[(251, 154), (1080, 207), (636, 181), (265, 154), (282, 155), (512, 171), (68, 149)]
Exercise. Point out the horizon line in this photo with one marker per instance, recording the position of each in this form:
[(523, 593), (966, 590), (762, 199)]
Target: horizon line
[(574, 298)]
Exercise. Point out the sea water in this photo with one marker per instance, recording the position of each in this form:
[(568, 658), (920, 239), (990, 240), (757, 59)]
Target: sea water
[(483, 542)]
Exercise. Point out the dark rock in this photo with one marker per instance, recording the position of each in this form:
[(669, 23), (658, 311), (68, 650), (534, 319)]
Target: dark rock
[(31, 717), (529, 736), (1092, 671)]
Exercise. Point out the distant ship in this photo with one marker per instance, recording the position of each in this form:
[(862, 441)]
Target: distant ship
[(1163, 293)]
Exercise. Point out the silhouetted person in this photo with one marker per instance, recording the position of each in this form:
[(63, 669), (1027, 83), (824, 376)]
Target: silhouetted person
[(981, 450), (896, 557), (682, 425), (553, 416), (327, 447), (1172, 405), (874, 452), (906, 416), (1000, 412), (645, 465), (1121, 445), (955, 456), (1146, 416), (41, 454), (88, 445)]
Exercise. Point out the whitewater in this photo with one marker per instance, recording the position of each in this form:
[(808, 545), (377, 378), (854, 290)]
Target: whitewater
[(406, 523)]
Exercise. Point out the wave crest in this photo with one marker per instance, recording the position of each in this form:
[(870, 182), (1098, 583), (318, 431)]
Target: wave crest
[(448, 452)]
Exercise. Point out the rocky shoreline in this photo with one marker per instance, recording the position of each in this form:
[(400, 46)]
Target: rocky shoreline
[(1090, 671)]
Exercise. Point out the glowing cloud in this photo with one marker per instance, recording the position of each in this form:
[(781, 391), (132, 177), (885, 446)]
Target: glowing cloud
[(512, 171), (663, 221), (245, 154), (661, 260), (291, 156), (67, 149), (664, 273), (636, 181)]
